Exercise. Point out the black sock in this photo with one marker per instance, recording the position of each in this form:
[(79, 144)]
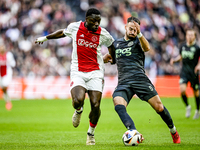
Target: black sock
[(125, 118), (197, 102), (166, 118), (185, 100)]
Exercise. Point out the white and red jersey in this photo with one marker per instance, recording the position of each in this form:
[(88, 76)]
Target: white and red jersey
[(86, 55), (7, 61)]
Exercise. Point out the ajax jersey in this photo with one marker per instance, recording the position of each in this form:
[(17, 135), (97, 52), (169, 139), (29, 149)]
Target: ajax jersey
[(6, 62), (86, 55)]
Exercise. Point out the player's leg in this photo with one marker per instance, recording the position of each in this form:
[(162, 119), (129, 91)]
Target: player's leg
[(183, 85), (95, 87), (121, 100), (5, 81), (120, 107), (157, 105), (95, 100), (197, 99), (7, 99), (78, 97), (195, 87)]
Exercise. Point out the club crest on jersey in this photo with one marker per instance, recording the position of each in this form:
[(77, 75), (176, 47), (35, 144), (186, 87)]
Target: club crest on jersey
[(130, 43), (192, 49), (94, 39)]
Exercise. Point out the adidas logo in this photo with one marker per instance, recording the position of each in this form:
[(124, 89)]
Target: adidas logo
[(82, 35)]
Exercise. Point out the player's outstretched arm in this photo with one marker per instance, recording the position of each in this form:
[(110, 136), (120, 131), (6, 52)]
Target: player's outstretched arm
[(55, 35)]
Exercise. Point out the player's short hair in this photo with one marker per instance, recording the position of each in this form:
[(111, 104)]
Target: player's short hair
[(92, 11), (131, 19)]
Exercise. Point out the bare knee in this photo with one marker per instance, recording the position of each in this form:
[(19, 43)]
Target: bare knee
[(159, 108), (78, 101), (95, 107), (156, 103)]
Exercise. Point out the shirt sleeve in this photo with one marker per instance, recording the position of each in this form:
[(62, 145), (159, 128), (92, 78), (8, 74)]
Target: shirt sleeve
[(107, 38), (10, 59), (69, 30)]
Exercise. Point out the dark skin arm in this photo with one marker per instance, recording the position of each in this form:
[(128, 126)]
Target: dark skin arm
[(109, 57), (55, 35)]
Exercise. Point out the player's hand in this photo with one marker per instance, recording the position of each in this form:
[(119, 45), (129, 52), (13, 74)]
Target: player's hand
[(40, 40), (107, 58), (137, 27), (197, 68)]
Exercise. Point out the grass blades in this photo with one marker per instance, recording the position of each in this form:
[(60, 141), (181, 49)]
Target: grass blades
[(46, 124)]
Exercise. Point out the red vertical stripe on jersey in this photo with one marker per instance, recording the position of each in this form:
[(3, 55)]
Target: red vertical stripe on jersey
[(87, 43), (3, 67)]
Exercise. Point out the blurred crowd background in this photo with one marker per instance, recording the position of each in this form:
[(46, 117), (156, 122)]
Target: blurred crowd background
[(163, 23)]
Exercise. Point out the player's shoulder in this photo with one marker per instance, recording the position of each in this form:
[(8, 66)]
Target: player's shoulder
[(104, 31), (120, 40), (74, 24), (117, 42), (183, 44), (197, 45), (9, 54)]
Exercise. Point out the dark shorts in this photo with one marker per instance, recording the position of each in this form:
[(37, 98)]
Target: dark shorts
[(141, 86), (193, 79)]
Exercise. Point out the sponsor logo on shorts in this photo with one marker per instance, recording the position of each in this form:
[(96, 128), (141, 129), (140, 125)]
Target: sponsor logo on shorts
[(151, 88)]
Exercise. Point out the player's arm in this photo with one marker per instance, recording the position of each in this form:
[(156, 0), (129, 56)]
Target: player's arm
[(143, 41), (176, 59), (110, 57), (10, 59), (197, 68), (55, 35)]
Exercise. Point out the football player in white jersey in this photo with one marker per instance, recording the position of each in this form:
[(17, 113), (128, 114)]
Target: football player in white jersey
[(7, 61), (87, 65)]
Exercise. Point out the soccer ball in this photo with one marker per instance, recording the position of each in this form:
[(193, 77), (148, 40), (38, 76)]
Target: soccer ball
[(131, 138)]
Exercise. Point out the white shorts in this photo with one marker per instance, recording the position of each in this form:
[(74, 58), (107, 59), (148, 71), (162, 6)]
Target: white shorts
[(5, 80), (93, 81)]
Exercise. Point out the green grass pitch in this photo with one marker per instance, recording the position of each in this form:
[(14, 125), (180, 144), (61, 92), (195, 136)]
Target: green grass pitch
[(46, 124)]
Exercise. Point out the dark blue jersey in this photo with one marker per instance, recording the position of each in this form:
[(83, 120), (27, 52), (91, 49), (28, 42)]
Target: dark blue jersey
[(129, 59)]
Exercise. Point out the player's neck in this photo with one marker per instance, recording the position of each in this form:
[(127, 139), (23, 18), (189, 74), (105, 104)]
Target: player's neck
[(126, 38), (191, 43)]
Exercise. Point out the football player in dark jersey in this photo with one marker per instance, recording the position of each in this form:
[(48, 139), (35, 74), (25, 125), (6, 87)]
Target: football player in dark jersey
[(189, 54), (128, 53)]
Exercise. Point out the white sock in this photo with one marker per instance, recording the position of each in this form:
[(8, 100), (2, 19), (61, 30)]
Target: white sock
[(173, 130), (79, 110), (91, 130), (6, 97)]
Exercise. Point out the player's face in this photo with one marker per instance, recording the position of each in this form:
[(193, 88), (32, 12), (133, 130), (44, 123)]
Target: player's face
[(93, 22), (190, 36), (2, 48), (131, 31)]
